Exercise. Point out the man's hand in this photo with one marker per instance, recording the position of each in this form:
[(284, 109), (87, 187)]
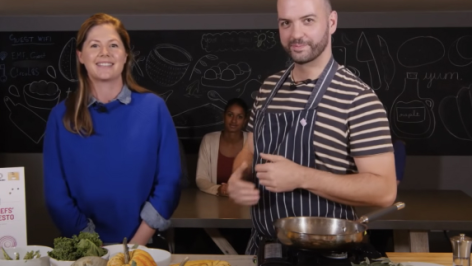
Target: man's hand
[(279, 174), (223, 189), (242, 192)]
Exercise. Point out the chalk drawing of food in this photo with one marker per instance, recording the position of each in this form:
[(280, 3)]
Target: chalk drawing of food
[(225, 76), (167, 64), (67, 61), (7, 242), (42, 94)]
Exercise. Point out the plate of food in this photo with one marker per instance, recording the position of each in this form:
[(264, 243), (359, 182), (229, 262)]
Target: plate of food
[(66, 251), (25, 256), (386, 261), (151, 256), (420, 264)]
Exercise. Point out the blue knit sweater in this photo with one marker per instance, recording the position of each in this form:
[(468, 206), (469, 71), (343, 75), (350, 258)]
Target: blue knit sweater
[(132, 158)]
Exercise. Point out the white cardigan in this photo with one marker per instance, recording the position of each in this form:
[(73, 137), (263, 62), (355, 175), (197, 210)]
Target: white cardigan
[(206, 177)]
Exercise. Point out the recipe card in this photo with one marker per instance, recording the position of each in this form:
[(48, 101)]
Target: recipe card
[(12, 207)]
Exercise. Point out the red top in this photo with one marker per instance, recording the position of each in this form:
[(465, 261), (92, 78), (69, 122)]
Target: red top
[(224, 168)]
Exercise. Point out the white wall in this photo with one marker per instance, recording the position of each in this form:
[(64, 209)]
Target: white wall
[(422, 172)]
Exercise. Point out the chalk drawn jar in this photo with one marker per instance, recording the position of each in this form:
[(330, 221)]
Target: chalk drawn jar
[(411, 116)]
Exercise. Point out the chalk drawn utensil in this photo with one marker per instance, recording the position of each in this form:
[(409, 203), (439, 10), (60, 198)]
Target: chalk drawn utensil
[(3, 74), (253, 86), (364, 54), (387, 63), (215, 96), (27, 121)]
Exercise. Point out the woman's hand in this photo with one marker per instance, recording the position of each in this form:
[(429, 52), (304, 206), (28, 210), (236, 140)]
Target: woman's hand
[(223, 190), (143, 234)]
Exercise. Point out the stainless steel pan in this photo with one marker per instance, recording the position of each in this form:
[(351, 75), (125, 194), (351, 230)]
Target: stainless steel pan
[(326, 233)]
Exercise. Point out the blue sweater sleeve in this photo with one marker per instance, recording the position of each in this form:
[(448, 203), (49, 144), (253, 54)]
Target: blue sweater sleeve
[(400, 159), (166, 192), (62, 208)]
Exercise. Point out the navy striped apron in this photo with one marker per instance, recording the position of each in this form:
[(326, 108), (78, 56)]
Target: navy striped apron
[(289, 134)]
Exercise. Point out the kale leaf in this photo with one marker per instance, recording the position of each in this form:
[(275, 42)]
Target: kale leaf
[(71, 249)]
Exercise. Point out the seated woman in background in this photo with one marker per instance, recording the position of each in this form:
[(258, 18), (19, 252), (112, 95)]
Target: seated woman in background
[(111, 153), (218, 149)]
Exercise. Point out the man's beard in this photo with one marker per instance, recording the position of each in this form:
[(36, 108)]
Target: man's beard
[(314, 51)]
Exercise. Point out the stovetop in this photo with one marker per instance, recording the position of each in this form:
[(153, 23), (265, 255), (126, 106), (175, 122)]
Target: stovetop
[(297, 257)]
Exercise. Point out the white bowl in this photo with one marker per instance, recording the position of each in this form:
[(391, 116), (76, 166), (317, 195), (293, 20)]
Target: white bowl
[(42, 261), (160, 256), (55, 262)]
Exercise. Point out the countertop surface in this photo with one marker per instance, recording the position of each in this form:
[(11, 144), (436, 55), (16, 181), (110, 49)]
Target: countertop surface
[(425, 210)]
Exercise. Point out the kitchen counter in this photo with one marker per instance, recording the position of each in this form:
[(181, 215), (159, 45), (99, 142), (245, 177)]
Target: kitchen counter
[(245, 260), (425, 210)]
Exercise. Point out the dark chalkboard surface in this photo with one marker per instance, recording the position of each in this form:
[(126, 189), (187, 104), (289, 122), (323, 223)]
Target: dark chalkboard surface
[(421, 75)]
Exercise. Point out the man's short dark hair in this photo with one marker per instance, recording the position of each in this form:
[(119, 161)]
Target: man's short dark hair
[(329, 5)]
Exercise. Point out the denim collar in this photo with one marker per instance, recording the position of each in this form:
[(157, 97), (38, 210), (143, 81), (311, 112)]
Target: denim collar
[(124, 97)]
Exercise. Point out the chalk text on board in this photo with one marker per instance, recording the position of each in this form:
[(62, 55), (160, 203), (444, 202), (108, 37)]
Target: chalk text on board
[(440, 76), (27, 55), (29, 40), (24, 72)]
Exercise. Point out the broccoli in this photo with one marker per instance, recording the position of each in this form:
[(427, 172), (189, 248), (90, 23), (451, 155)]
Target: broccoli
[(71, 249)]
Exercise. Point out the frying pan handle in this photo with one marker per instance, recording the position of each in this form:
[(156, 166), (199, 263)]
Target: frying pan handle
[(377, 214)]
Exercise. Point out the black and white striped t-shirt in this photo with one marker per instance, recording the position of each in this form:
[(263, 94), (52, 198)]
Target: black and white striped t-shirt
[(351, 121)]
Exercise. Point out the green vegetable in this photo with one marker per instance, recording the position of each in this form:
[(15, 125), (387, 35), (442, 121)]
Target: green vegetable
[(5, 255), (28, 256), (32, 255), (378, 262), (83, 245)]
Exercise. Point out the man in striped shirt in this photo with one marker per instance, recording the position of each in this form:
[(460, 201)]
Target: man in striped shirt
[(319, 139)]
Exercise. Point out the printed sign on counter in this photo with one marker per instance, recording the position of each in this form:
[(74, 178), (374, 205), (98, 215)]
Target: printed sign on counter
[(12, 207)]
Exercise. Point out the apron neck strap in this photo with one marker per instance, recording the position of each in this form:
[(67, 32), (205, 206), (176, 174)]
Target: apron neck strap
[(322, 84)]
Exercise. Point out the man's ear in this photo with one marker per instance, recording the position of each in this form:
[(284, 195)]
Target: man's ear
[(333, 22)]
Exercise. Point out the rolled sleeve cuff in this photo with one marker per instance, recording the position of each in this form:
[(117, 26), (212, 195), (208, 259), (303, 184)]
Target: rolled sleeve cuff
[(153, 218)]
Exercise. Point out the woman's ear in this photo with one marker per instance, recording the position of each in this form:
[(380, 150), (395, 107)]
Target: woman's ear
[(79, 56)]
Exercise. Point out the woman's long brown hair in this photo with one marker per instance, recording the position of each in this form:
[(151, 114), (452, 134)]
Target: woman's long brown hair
[(77, 118)]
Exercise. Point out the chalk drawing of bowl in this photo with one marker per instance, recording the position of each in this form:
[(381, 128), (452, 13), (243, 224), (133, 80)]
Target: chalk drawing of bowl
[(167, 64)]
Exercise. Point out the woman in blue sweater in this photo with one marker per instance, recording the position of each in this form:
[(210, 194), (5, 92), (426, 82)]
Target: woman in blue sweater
[(111, 154)]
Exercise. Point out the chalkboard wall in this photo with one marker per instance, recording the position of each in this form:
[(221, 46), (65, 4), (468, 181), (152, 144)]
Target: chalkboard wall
[(422, 76)]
